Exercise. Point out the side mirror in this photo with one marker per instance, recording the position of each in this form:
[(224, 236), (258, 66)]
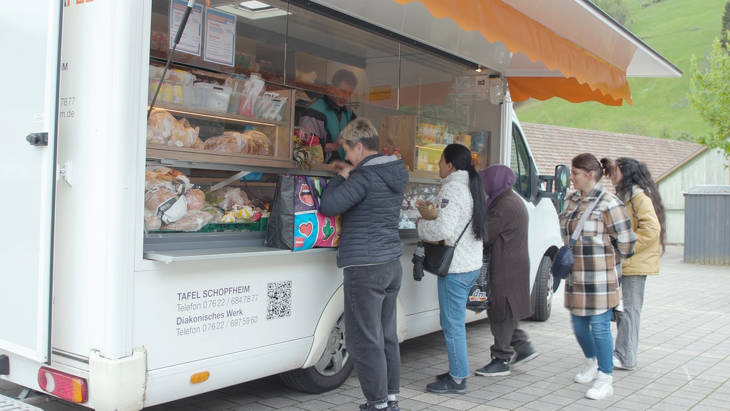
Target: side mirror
[(562, 183), (562, 179)]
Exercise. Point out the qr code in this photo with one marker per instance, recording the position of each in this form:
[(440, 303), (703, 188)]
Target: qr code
[(279, 300)]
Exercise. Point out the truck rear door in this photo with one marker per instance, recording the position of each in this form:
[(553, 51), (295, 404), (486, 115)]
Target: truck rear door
[(30, 31)]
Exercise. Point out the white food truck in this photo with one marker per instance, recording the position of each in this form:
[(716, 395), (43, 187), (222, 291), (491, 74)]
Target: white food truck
[(105, 305)]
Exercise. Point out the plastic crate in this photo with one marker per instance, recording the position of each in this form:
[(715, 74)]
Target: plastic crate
[(259, 225)]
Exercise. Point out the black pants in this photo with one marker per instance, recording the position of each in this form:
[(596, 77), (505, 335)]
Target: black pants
[(370, 327), (507, 335)]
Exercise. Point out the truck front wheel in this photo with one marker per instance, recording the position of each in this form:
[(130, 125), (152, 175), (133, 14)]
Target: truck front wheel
[(542, 292), (330, 371)]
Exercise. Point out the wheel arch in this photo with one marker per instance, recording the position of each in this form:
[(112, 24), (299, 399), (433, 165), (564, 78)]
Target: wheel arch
[(331, 313)]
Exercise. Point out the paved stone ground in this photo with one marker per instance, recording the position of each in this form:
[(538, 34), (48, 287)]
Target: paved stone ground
[(684, 361)]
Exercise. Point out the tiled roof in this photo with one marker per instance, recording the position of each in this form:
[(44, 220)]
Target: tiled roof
[(552, 145)]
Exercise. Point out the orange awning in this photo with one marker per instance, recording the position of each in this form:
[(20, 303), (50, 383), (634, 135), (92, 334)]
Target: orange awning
[(586, 76), (543, 88)]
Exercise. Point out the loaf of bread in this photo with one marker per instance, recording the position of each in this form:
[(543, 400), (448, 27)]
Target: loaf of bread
[(195, 199), (257, 143), (192, 221)]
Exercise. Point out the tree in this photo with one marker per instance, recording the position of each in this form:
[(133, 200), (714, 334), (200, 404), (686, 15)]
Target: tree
[(710, 95)]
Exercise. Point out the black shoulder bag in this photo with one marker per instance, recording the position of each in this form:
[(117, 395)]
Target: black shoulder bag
[(439, 255)]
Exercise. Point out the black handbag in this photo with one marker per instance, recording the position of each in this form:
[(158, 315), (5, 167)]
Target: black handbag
[(439, 255)]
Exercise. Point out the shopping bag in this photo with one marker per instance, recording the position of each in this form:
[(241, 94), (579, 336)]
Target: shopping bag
[(295, 222), (478, 299)]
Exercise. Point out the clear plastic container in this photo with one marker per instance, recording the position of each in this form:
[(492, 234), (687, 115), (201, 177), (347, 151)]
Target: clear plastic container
[(212, 97), (174, 87)]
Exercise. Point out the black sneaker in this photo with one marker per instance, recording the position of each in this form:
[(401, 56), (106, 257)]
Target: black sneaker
[(447, 386), (496, 368), (393, 406), (525, 355), (444, 376), (371, 407)]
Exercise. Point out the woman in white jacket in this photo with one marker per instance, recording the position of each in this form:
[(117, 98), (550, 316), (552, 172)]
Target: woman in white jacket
[(461, 203)]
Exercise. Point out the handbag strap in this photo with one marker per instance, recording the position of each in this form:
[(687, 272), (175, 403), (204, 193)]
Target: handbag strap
[(462, 233), (583, 218)]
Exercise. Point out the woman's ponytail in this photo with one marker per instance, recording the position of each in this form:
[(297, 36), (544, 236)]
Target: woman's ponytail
[(460, 157)]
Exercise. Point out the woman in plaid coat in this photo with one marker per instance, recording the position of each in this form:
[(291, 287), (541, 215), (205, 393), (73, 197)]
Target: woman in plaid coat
[(591, 290)]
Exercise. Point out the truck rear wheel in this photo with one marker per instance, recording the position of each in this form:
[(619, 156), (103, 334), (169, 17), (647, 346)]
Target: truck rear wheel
[(542, 292), (330, 371)]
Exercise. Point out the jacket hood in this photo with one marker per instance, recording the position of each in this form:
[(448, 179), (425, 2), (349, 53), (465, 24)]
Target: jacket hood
[(390, 169), (496, 180)]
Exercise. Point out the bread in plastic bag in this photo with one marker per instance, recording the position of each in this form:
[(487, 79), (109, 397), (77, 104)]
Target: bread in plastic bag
[(192, 221), (228, 198), (215, 213), (183, 135), (160, 126), (229, 142), (165, 177), (157, 196), (257, 143), (195, 198)]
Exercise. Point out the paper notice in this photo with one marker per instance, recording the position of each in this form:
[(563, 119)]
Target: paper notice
[(220, 37), (192, 36)]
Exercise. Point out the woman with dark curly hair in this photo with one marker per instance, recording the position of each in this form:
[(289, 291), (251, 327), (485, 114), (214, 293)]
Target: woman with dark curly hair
[(635, 187)]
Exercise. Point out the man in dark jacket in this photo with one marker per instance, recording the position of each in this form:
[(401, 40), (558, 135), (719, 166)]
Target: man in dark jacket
[(368, 193), (509, 271)]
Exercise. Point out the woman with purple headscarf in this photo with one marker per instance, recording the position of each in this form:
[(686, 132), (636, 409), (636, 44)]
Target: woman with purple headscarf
[(509, 271)]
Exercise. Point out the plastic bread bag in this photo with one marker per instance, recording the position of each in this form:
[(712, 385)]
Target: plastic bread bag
[(428, 210), (160, 126), (183, 134), (157, 196), (274, 110), (257, 143), (228, 198), (229, 142), (160, 176), (173, 209), (195, 199), (262, 104), (254, 86), (192, 221), (215, 213)]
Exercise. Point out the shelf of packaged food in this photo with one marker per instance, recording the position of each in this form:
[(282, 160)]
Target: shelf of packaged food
[(225, 117), (163, 152)]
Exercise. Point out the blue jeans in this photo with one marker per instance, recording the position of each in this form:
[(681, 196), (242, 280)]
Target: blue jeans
[(453, 291), (593, 333)]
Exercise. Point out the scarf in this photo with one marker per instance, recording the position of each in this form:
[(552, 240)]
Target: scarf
[(496, 180)]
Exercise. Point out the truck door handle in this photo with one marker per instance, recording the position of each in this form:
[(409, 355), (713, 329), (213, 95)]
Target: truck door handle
[(37, 139)]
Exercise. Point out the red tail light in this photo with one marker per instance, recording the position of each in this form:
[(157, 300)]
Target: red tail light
[(66, 386)]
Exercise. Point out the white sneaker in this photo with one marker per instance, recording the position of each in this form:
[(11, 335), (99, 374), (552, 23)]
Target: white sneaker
[(588, 372), (619, 366), (602, 388)]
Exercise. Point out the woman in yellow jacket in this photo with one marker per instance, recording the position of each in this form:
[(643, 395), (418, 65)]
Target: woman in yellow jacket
[(635, 187)]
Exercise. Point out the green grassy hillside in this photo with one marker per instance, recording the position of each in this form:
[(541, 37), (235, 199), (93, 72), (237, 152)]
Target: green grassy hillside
[(677, 29)]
